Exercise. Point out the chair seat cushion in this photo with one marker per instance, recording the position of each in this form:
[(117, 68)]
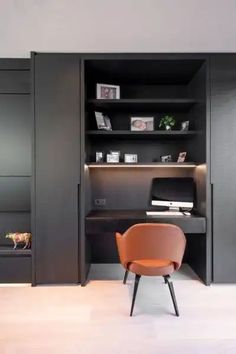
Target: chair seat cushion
[(151, 267)]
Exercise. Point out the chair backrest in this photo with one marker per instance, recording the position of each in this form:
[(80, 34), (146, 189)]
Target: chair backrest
[(152, 241)]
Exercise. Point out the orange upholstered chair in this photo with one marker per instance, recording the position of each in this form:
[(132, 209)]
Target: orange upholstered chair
[(153, 250)]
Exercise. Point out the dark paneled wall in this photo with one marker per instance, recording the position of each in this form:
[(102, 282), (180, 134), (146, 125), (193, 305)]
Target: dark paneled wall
[(15, 165), (128, 188), (15, 134), (15, 145)]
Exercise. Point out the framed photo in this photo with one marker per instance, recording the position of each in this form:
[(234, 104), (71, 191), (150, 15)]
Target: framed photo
[(131, 158), (108, 123), (182, 156), (113, 158), (108, 92), (185, 125), (99, 156), (166, 158), (103, 122), (141, 123)]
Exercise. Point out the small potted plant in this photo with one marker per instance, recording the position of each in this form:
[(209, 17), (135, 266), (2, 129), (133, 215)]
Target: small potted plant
[(167, 122)]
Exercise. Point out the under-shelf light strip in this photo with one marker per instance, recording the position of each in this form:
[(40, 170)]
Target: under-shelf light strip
[(138, 166)]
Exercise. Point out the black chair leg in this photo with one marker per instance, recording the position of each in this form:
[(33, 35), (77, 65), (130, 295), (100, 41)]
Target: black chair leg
[(137, 278), (125, 277), (172, 293)]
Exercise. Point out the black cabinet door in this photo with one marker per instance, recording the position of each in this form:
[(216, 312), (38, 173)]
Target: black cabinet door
[(57, 175), (223, 166), (15, 135)]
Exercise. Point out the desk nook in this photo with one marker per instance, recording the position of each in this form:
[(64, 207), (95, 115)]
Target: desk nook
[(118, 193)]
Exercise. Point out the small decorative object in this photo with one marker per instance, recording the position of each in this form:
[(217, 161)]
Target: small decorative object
[(166, 158), (18, 237), (131, 158), (108, 92), (103, 122), (114, 157), (99, 156), (142, 123), (167, 122), (182, 156), (185, 125)]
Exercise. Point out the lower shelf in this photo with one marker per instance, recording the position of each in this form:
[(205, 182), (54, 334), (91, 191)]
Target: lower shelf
[(9, 251)]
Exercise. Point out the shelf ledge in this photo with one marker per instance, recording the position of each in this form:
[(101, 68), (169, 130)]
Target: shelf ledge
[(9, 251), (140, 165)]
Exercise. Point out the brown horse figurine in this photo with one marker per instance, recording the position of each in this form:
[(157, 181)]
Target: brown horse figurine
[(18, 237)]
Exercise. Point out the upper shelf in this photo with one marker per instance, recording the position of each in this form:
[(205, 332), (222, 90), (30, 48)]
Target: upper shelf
[(141, 104), (124, 134)]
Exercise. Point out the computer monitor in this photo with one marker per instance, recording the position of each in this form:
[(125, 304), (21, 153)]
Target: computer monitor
[(173, 193)]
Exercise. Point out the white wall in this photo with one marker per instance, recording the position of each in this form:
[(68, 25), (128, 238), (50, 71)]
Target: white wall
[(116, 26)]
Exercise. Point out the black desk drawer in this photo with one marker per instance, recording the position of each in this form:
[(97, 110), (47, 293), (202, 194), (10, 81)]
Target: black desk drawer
[(189, 225)]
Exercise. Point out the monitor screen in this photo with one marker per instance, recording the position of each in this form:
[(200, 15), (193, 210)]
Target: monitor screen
[(173, 192)]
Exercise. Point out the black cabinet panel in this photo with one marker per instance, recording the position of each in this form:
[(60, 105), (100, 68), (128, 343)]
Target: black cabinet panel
[(15, 194), (15, 81), (223, 165), (103, 248), (57, 150), (15, 135), (15, 269), (13, 222), (14, 64)]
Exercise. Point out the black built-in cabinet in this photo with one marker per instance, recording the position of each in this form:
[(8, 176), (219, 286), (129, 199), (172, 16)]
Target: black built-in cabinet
[(223, 166), (57, 203), (56, 167)]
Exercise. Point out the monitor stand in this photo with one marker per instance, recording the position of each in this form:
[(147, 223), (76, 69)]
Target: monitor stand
[(173, 208)]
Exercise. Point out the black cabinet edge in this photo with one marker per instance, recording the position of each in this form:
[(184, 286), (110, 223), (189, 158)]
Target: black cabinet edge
[(14, 64)]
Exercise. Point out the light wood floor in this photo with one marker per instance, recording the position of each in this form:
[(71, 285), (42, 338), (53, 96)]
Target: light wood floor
[(95, 319)]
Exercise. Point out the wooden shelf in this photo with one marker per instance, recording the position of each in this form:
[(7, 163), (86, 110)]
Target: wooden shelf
[(156, 104), (142, 165), (124, 134), (9, 251)]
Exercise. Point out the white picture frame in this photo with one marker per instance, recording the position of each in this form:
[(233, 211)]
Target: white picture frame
[(142, 123), (107, 92), (103, 122), (113, 158), (182, 156), (185, 125), (166, 158), (130, 158), (99, 156)]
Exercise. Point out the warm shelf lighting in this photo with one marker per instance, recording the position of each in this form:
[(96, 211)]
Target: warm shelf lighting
[(142, 166)]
